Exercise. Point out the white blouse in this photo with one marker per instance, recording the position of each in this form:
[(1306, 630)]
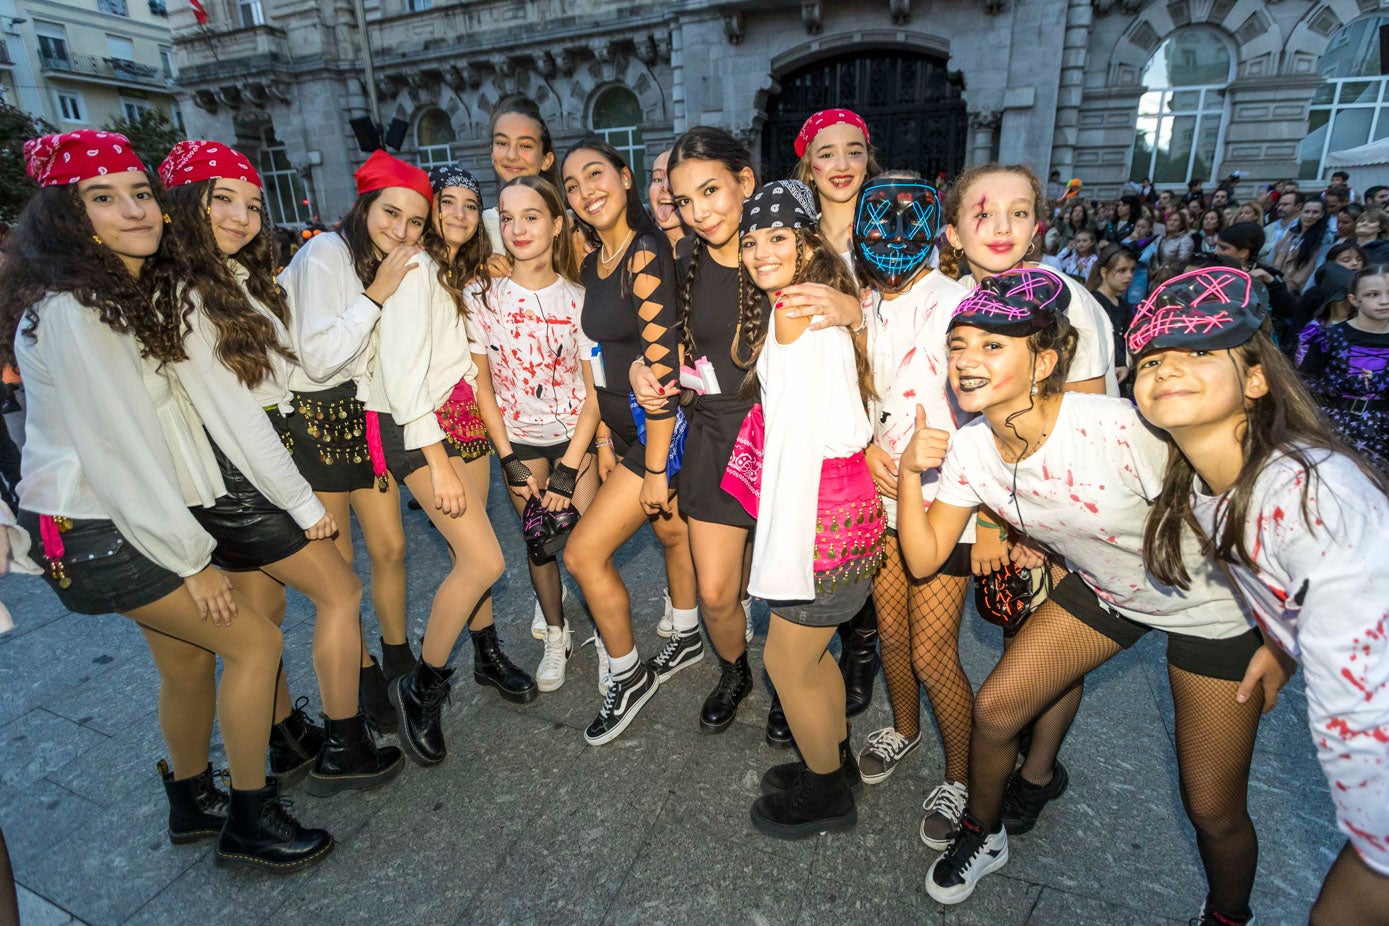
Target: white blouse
[(814, 412), (424, 353), (106, 438), (332, 322), (234, 416)]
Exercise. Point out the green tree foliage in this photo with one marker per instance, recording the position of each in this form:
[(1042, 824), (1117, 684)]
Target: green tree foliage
[(151, 134), (16, 127)]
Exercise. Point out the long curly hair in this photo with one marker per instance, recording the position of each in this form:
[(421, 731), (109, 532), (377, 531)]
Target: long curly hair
[(245, 337), (353, 229), (703, 143), (52, 248), (1284, 421), (955, 203), (816, 262), (468, 264)]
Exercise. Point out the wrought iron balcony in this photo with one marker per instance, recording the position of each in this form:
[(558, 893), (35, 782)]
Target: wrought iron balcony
[(114, 69)]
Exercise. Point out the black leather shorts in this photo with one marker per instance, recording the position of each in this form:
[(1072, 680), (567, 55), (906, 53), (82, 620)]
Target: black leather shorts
[(249, 530)]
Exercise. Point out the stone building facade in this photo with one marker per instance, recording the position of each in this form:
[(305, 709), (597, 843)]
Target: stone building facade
[(1106, 90)]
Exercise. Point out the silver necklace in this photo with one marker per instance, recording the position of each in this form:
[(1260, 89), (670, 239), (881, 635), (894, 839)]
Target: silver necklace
[(602, 252)]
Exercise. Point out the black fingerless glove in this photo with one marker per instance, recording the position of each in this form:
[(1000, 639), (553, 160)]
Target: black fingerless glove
[(516, 473), (563, 480)]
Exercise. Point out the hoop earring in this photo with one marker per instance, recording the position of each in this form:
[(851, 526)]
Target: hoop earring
[(1030, 248), (959, 252)]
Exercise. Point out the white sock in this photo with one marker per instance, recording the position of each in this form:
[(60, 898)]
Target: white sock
[(623, 666), (686, 620)]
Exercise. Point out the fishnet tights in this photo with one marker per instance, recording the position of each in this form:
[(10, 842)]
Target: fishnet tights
[(1353, 894), (1215, 742), (919, 639), (545, 578), (1047, 660)]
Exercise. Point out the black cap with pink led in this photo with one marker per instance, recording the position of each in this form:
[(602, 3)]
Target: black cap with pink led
[(1213, 308), (1014, 303)]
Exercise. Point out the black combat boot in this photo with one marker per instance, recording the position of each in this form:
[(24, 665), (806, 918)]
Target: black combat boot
[(778, 730), (491, 667), (294, 744), (351, 760), (813, 804), (396, 659), (260, 834), (780, 777), (197, 807), (722, 704), (858, 658), (373, 700), (418, 696)]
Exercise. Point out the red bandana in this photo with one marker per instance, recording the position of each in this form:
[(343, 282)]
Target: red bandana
[(192, 161), (73, 156), (823, 120), (381, 171)]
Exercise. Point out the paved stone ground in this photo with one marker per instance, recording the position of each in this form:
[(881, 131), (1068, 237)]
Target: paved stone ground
[(524, 823)]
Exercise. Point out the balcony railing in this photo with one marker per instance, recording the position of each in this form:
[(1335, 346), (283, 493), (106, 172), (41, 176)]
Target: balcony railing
[(108, 68), (5, 59)]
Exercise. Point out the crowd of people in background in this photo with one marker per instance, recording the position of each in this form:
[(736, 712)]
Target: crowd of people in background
[(849, 394)]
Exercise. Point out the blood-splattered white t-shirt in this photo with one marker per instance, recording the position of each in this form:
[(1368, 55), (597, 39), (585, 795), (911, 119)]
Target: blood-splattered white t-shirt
[(1321, 591), (534, 345), (1085, 494), (907, 349)]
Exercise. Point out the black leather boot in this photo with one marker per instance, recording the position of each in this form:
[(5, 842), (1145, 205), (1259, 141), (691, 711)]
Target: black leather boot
[(813, 804), (294, 744), (197, 808), (780, 777), (351, 760), (722, 704), (778, 730), (858, 658), (373, 700), (491, 667), (418, 696), (260, 834), (396, 659)]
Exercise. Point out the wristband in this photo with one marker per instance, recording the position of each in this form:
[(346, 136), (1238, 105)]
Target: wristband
[(980, 522), (516, 473), (372, 301), (603, 442), (563, 479), (655, 472)]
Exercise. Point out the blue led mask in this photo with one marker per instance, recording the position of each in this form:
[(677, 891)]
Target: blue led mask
[(895, 228)]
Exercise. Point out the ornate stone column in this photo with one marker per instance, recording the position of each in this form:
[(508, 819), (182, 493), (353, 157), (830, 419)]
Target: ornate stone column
[(983, 135)]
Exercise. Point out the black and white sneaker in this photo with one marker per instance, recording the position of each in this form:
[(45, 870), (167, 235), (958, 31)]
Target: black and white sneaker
[(972, 855), (625, 697), (681, 651)]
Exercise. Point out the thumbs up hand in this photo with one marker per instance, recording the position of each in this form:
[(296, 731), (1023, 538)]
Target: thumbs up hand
[(927, 448)]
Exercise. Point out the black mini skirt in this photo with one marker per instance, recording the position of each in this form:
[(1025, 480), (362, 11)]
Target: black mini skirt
[(249, 530), (714, 422), (327, 438)]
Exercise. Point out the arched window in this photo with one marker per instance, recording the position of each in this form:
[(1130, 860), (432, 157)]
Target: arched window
[(1350, 108), (434, 137), (617, 119), (1181, 116)]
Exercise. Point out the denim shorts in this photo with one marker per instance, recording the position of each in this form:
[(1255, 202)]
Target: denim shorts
[(107, 574)]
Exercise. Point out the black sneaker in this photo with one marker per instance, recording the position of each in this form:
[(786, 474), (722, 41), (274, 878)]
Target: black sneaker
[(625, 697), (1023, 802), (973, 854), (680, 652)]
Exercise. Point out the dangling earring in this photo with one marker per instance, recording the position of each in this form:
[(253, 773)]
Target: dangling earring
[(1034, 387), (97, 239), (169, 221)]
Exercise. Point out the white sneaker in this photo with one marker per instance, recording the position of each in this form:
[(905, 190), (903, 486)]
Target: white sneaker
[(972, 855), (559, 645), (747, 614), (605, 671), (538, 624), (666, 625)]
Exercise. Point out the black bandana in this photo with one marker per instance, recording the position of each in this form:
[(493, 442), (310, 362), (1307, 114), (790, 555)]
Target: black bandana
[(779, 204), (447, 175)]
